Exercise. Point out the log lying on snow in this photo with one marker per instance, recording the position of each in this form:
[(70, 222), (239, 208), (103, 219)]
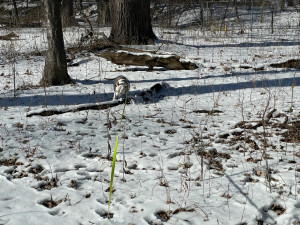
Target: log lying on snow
[(76, 108), (146, 95), (9, 36), (168, 62), (292, 63)]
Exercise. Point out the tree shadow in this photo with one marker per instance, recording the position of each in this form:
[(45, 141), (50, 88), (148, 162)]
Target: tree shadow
[(152, 96), (265, 215), (205, 89), (92, 82), (236, 45)]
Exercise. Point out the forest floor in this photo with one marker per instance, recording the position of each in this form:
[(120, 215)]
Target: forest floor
[(216, 145)]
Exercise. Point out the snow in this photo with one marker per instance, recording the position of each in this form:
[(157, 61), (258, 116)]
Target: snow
[(159, 167)]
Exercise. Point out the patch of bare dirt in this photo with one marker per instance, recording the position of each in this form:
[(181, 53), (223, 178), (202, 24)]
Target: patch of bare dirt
[(164, 216), (49, 184), (292, 135), (10, 162), (51, 203), (277, 208)]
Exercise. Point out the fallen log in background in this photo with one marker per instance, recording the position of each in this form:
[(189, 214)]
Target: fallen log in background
[(130, 59)]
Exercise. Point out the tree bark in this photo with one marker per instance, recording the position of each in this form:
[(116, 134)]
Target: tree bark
[(103, 11), (236, 10), (290, 3), (55, 70), (16, 14), (282, 5), (67, 13), (131, 22), (262, 10), (202, 6), (79, 5)]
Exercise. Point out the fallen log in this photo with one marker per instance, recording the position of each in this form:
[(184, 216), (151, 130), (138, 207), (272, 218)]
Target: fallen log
[(9, 36), (76, 108), (292, 63), (126, 58), (146, 95)]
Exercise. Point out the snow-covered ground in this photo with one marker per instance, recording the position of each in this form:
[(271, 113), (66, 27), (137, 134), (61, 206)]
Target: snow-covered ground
[(184, 157)]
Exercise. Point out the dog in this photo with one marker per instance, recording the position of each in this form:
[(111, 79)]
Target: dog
[(121, 86)]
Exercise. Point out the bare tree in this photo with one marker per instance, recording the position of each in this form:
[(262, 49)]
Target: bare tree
[(202, 6), (55, 70), (67, 13), (131, 22), (15, 13), (281, 5), (236, 10), (79, 5), (103, 11), (262, 7)]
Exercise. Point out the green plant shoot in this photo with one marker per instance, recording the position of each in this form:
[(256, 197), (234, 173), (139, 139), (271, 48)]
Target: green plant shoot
[(114, 158)]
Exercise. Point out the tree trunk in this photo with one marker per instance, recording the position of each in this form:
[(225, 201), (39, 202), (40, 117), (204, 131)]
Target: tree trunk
[(67, 13), (103, 12), (202, 6), (16, 14), (236, 10), (55, 70), (79, 5), (282, 5), (131, 22), (290, 3), (262, 10)]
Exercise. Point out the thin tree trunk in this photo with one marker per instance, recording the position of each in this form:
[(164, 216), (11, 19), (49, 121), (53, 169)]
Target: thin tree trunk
[(202, 6), (262, 11), (282, 5), (55, 70), (249, 4), (131, 22), (67, 13), (16, 14), (79, 5), (236, 10), (272, 19), (103, 11)]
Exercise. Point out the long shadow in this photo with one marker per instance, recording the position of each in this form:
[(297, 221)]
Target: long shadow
[(202, 77), (54, 100), (237, 45), (265, 215), (92, 82), (205, 89), (58, 100)]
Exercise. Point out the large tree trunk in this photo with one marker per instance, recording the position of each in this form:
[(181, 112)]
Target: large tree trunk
[(67, 13), (131, 22), (103, 12), (55, 70)]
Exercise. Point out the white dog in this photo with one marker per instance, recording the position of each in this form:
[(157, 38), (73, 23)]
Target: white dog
[(121, 86)]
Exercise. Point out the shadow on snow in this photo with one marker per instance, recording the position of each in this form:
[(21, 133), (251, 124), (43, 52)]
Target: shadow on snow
[(73, 99)]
